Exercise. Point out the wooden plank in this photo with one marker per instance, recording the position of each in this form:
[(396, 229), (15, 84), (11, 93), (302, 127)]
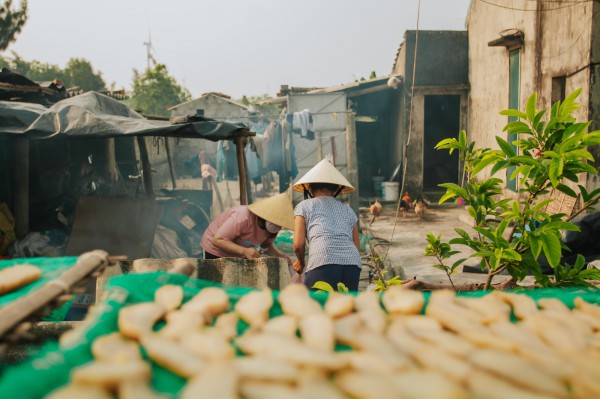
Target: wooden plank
[(146, 168), (241, 161), (123, 226)]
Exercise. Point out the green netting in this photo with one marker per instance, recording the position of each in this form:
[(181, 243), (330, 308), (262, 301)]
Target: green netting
[(51, 268), (51, 367)]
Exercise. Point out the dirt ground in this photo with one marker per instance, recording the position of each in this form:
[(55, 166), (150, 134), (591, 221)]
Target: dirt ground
[(406, 253)]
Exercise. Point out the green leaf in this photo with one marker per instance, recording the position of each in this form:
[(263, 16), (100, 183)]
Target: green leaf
[(323, 286), (342, 288), (462, 138), (498, 166), (536, 247), (560, 225), (486, 233), (569, 105), (551, 247), (524, 159), (446, 197), (513, 112), (567, 190), (511, 254), (440, 267), (444, 143), (505, 147), (537, 118), (517, 127), (590, 274), (530, 107), (455, 188), (482, 165), (482, 254)]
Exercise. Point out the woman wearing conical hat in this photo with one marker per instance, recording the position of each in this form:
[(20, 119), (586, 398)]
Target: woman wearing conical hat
[(329, 227), (239, 231)]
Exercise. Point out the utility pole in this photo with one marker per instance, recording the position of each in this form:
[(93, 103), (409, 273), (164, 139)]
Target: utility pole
[(352, 158), (148, 45)]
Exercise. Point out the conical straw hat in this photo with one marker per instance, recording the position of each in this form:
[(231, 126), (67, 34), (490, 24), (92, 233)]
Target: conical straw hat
[(324, 172), (277, 210)]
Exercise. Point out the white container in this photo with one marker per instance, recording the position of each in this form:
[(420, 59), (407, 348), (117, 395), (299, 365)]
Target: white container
[(391, 191)]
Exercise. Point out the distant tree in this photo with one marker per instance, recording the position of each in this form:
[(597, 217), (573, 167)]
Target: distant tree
[(258, 103), (79, 72), (35, 70), (154, 91), (11, 22), (373, 75)]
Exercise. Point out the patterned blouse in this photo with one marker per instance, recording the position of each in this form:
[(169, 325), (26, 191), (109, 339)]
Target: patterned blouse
[(329, 226)]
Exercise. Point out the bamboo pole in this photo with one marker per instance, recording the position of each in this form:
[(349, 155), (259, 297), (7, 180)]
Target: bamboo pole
[(241, 161), (37, 301), (21, 197), (146, 168), (319, 147), (171, 168)]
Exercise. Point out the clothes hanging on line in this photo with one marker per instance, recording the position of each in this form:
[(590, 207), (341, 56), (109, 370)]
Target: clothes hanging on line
[(303, 122)]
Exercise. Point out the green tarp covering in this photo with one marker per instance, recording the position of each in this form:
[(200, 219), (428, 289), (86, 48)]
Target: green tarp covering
[(51, 367), (51, 268)]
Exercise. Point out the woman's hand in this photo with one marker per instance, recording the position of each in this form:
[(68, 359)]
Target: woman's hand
[(289, 261), (298, 267), (251, 253)]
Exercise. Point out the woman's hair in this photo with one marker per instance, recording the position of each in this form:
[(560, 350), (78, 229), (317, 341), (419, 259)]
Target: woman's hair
[(333, 188)]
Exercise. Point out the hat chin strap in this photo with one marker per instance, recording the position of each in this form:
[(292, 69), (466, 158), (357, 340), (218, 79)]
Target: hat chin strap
[(307, 194), (339, 190)]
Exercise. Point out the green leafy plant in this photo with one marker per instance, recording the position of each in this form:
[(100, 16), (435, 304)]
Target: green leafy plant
[(442, 251), (322, 286), (512, 233), (381, 284)]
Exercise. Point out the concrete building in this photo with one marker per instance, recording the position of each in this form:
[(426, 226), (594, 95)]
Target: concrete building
[(211, 105), (517, 48), (438, 105)]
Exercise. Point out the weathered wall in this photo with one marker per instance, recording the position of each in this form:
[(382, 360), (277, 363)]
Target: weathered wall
[(488, 67), (214, 107), (565, 42), (593, 182), (442, 58), (441, 68), (557, 43)]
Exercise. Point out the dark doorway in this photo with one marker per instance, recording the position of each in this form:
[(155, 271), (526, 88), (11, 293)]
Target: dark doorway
[(442, 120)]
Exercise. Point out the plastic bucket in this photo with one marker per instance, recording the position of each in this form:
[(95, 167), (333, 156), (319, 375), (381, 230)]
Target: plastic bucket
[(377, 181), (391, 191)]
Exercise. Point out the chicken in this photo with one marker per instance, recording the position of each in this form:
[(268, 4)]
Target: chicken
[(375, 210), (420, 205), (405, 204)]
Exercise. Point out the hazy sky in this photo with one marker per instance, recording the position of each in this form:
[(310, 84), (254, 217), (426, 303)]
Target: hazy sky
[(232, 46)]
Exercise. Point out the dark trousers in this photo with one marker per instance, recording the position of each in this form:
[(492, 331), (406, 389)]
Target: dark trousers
[(208, 255), (349, 275)]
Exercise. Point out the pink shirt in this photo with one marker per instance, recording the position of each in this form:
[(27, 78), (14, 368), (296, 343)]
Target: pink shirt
[(237, 225)]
